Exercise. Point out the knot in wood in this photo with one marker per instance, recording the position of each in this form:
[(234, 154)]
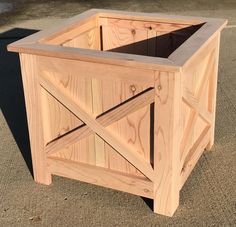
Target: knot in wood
[(133, 31), (132, 88)]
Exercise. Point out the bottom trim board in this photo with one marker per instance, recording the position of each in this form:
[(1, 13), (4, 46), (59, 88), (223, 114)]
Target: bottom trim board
[(101, 176)]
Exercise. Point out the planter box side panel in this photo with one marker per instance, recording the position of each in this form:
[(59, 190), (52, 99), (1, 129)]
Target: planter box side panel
[(108, 94), (199, 91)]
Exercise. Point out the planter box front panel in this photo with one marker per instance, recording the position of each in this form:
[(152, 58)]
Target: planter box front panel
[(97, 95)]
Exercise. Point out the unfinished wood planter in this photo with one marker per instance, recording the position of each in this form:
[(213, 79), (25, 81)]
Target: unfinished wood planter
[(122, 100)]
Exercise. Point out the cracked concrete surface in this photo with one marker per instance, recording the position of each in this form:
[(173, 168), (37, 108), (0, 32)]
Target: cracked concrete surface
[(208, 197)]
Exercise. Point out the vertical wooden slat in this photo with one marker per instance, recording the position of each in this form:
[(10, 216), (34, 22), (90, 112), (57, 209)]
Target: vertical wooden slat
[(99, 144), (33, 107), (167, 137)]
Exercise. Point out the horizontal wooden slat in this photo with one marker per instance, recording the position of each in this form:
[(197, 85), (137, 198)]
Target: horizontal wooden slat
[(101, 176), (85, 69), (117, 113), (194, 154), (121, 147)]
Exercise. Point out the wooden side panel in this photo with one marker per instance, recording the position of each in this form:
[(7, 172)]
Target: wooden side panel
[(198, 118), (87, 40), (96, 95)]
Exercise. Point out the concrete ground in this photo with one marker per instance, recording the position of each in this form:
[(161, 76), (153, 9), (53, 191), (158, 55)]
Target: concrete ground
[(208, 197)]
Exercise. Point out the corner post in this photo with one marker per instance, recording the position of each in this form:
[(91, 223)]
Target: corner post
[(212, 93), (34, 118), (167, 138)]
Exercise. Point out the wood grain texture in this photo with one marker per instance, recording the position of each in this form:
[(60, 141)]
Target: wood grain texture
[(87, 40), (212, 92), (57, 120), (114, 37), (103, 71), (90, 85), (69, 33), (167, 138), (32, 100), (134, 129), (144, 25), (195, 95), (103, 177), (194, 154), (120, 146), (106, 119)]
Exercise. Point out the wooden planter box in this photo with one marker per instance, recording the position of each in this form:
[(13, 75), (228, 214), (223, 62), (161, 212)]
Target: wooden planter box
[(122, 100)]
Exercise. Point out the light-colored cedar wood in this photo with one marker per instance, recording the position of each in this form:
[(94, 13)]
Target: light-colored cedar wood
[(167, 137), (106, 119), (57, 29), (100, 176), (33, 107), (114, 37), (71, 32), (128, 153), (198, 44), (89, 88), (104, 57), (144, 25), (212, 92), (195, 104), (152, 17), (194, 155), (87, 40), (194, 96), (57, 121), (99, 143), (134, 129), (103, 71)]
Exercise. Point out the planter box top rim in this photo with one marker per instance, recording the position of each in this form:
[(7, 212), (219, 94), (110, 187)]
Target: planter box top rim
[(39, 43)]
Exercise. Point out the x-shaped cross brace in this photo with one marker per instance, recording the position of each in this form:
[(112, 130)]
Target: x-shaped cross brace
[(195, 102), (97, 126)]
